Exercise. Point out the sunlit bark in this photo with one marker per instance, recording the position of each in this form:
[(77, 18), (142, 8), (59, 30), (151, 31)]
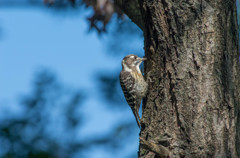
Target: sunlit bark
[(192, 108)]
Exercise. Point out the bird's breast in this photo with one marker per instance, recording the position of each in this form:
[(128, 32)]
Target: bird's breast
[(140, 85)]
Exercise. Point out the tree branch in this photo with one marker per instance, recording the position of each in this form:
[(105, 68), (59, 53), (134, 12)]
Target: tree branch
[(132, 9), (160, 150)]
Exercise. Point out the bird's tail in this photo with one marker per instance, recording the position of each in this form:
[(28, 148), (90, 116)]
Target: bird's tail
[(137, 117)]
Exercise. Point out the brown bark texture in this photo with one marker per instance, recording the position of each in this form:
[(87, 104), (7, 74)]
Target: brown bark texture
[(192, 106)]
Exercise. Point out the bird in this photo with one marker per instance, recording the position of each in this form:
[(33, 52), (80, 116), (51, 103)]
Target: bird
[(132, 83)]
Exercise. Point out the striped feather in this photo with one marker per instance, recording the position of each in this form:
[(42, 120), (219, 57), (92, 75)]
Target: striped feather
[(127, 82)]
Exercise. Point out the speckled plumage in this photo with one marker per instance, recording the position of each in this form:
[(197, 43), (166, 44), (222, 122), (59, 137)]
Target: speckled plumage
[(133, 84)]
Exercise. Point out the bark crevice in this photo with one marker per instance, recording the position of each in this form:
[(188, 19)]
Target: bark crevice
[(192, 47)]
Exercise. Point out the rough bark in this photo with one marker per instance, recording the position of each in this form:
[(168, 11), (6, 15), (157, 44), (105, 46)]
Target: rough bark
[(192, 107)]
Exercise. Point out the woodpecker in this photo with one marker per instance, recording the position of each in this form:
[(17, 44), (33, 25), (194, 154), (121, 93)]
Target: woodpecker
[(133, 84)]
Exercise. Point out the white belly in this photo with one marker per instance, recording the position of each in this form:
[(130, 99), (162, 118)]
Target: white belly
[(141, 88)]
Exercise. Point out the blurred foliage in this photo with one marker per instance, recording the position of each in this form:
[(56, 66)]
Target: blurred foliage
[(49, 120), (33, 132), (103, 10)]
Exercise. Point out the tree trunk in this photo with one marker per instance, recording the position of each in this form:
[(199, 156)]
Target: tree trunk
[(192, 107)]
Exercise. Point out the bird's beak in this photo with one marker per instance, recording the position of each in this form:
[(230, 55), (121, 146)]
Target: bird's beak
[(144, 59)]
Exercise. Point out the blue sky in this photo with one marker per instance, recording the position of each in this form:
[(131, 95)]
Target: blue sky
[(36, 38)]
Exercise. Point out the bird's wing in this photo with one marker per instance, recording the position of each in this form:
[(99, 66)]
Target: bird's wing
[(127, 84)]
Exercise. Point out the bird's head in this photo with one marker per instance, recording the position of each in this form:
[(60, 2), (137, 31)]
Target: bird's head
[(131, 62)]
